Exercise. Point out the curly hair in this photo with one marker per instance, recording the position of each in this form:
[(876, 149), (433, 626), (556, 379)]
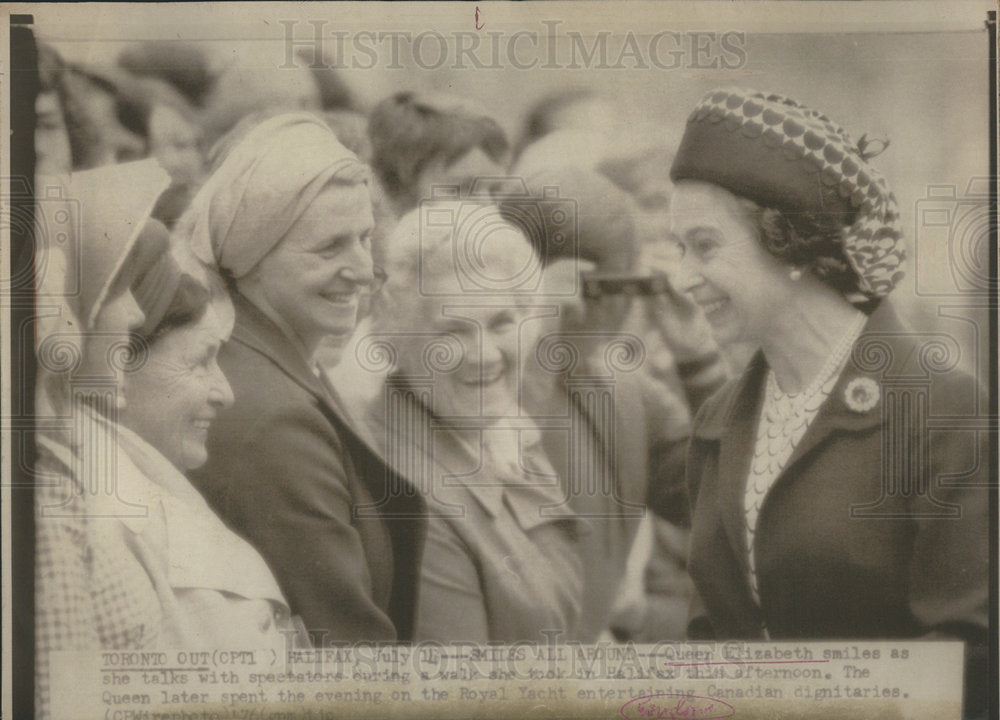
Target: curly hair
[(811, 241)]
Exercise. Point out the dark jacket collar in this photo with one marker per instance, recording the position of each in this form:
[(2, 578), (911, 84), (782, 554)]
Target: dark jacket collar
[(257, 331), (883, 333), (730, 417)]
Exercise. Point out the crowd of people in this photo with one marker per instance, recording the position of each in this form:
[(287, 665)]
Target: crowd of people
[(334, 376)]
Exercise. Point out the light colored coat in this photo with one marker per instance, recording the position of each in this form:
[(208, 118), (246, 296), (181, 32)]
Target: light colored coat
[(495, 568)]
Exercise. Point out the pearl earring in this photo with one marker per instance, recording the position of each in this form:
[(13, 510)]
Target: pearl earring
[(795, 274)]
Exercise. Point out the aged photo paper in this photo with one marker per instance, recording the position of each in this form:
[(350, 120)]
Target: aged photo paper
[(549, 360)]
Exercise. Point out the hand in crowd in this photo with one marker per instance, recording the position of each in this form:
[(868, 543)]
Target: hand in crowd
[(681, 324)]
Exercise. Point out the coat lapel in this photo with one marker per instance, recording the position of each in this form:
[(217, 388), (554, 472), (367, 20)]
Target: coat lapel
[(835, 414), (255, 330), (736, 445), (432, 458), (734, 426), (732, 423)]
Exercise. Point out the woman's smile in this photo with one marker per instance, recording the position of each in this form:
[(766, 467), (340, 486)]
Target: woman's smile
[(486, 377), (202, 424), (341, 298)]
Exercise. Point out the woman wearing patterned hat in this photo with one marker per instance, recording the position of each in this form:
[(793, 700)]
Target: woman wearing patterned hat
[(821, 507)]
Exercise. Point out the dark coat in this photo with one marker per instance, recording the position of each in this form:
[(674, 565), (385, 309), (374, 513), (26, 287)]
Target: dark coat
[(600, 451), (289, 471), (840, 552)]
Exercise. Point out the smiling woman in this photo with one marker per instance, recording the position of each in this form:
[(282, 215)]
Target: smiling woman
[(721, 263), (285, 218), (495, 568), (175, 394), (328, 252), (790, 239), (481, 256)]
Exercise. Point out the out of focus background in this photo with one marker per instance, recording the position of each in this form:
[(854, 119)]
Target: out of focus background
[(168, 81)]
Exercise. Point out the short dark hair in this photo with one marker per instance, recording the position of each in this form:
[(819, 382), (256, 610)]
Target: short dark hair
[(350, 127), (187, 306), (183, 65), (408, 131)]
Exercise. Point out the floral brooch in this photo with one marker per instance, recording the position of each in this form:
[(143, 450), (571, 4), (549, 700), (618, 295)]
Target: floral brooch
[(862, 394)]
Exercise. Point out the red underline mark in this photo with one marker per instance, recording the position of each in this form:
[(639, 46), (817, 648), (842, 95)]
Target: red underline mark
[(748, 662)]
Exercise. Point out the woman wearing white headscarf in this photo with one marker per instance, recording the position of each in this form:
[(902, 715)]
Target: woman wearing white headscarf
[(285, 218), (86, 266), (128, 554)]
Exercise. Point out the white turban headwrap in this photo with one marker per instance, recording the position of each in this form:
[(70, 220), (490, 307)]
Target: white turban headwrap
[(261, 187)]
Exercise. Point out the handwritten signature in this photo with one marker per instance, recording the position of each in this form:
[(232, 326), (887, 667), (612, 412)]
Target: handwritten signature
[(671, 706)]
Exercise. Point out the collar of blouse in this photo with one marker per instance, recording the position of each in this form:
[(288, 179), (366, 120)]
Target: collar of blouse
[(839, 411)]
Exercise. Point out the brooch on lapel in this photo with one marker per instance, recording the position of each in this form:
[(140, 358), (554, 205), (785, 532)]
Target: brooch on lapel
[(862, 394)]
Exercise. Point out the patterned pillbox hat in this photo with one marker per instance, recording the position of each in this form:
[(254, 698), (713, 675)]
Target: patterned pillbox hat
[(781, 155)]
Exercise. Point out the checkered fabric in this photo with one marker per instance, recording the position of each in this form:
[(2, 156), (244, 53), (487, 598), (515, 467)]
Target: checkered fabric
[(86, 596), (785, 156)]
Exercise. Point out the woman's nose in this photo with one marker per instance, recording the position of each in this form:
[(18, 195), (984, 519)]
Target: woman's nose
[(358, 267), (221, 395), (683, 276)]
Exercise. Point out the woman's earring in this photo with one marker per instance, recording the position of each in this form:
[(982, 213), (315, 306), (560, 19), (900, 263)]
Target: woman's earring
[(795, 274)]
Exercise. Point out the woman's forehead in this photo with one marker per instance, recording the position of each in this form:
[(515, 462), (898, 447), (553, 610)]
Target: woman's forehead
[(338, 210)]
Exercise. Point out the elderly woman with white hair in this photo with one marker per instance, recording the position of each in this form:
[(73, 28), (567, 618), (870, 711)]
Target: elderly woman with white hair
[(497, 566)]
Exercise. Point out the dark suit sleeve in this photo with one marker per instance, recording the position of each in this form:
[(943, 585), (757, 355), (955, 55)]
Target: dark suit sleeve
[(699, 626), (667, 495), (298, 516), (668, 586)]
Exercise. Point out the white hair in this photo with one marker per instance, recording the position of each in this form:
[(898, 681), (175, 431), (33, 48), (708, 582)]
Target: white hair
[(449, 243)]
